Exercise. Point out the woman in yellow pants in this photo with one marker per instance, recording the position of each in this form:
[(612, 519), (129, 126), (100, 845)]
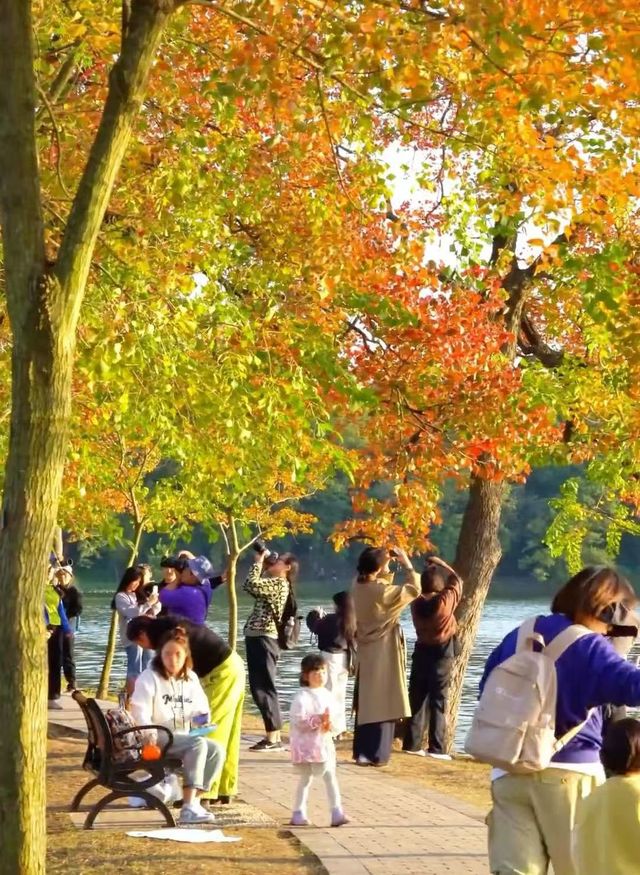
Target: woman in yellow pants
[(222, 675), (224, 686)]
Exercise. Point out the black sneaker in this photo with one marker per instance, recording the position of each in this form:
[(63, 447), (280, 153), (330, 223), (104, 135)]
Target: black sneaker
[(265, 744)]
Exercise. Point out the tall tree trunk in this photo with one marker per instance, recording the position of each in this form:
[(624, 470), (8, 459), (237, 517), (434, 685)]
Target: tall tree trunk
[(41, 370), (43, 303), (232, 574), (477, 555), (112, 640)]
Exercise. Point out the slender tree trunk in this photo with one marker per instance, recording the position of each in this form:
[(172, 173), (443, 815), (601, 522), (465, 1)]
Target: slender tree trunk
[(232, 574), (112, 640), (58, 543), (477, 555), (44, 302)]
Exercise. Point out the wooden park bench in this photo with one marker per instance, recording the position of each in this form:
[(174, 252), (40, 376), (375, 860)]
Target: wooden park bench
[(115, 776)]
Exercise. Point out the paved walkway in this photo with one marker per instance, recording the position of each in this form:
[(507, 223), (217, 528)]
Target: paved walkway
[(396, 829)]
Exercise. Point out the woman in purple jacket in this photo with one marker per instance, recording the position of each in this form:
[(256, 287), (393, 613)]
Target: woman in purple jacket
[(192, 597), (533, 814)]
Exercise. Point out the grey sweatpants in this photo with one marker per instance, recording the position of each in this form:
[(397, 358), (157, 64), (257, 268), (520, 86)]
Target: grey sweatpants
[(202, 759)]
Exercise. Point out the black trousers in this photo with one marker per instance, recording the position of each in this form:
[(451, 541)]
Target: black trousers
[(428, 691), (262, 660), (54, 660), (69, 659), (374, 741)]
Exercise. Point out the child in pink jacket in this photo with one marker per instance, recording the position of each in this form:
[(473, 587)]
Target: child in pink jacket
[(313, 754)]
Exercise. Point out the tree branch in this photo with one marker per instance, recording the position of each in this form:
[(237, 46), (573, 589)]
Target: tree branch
[(127, 86), (56, 134)]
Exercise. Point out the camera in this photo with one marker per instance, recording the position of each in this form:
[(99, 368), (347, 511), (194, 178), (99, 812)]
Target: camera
[(260, 547), (173, 562)]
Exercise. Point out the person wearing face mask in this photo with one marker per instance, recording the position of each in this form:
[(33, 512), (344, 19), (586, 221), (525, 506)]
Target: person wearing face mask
[(381, 696), (533, 814), (271, 583)]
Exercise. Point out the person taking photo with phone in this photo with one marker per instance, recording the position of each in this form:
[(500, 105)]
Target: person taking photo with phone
[(271, 581), (381, 688), (433, 614)]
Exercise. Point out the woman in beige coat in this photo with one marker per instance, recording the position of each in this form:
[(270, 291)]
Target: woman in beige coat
[(381, 691)]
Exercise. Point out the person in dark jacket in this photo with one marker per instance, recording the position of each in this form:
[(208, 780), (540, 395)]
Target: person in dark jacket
[(72, 603), (337, 644), (533, 814), (433, 614), (58, 629)]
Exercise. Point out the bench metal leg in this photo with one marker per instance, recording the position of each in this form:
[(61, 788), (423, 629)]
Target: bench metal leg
[(152, 801), (156, 803), (77, 799)]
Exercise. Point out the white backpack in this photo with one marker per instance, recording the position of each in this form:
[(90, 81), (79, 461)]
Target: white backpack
[(514, 725)]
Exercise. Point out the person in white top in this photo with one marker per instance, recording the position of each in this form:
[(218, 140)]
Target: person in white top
[(313, 716), (168, 693), (129, 602)]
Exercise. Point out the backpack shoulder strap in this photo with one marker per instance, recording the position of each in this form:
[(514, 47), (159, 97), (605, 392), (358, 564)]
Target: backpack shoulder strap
[(527, 636), (566, 738), (564, 640)]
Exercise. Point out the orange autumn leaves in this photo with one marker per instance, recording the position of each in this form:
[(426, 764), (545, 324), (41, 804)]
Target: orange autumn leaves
[(258, 164)]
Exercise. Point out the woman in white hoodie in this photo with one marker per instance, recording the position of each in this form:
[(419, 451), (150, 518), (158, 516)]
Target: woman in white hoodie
[(169, 694)]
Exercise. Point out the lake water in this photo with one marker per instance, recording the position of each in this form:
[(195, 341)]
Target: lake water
[(500, 615)]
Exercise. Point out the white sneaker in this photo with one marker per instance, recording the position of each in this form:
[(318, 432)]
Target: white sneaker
[(415, 753), (55, 705), (363, 761), (193, 814), (439, 756)]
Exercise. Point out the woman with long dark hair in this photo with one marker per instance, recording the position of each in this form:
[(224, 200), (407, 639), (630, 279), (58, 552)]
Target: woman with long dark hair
[(169, 694), (337, 644), (533, 814), (131, 601), (271, 581), (222, 675), (381, 686)]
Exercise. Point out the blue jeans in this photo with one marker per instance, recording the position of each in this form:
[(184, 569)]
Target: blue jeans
[(137, 660)]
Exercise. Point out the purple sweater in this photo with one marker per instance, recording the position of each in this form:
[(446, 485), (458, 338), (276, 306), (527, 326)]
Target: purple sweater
[(190, 601), (590, 674)]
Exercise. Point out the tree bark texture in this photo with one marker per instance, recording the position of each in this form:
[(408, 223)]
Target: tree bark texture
[(477, 555), (112, 640), (43, 304)]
